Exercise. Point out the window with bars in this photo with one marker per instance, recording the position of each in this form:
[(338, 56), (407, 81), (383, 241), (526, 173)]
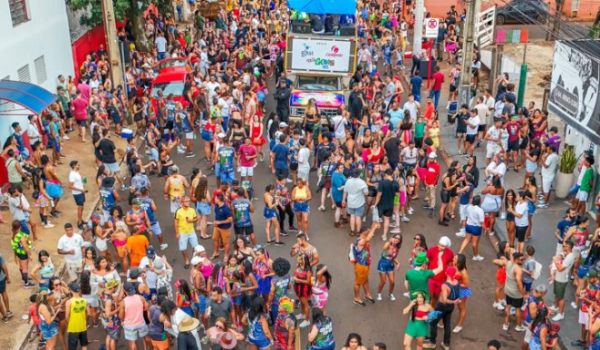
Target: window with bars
[(40, 69), (24, 74), (18, 11)]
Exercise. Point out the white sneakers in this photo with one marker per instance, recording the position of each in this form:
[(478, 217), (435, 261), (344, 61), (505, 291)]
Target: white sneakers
[(392, 297), (461, 233), (379, 298), (305, 324), (457, 329), (558, 317), (164, 246), (478, 258)]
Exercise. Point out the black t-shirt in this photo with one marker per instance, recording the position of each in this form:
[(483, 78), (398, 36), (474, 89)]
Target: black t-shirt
[(391, 149), (316, 23), (461, 122), (356, 104), (107, 148), (535, 152), (388, 190)]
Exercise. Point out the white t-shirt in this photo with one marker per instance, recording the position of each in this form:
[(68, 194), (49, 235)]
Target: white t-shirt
[(413, 108), (482, 112), (494, 133), (75, 178), (74, 243), (303, 156), (552, 165), (475, 215), (563, 276), (150, 274), (13, 206), (161, 44), (475, 121), (581, 173), (339, 123), (522, 209), (225, 108)]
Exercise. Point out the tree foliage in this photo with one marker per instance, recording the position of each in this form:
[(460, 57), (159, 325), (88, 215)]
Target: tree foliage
[(92, 9)]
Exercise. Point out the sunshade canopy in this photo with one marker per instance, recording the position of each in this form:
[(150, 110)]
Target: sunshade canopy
[(334, 7), (29, 96)]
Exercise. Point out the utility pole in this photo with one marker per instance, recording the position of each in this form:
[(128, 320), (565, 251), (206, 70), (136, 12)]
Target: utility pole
[(467, 59), (110, 31), (418, 32), (556, 24)]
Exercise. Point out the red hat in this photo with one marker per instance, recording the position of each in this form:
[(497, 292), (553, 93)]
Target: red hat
[(451, 272), (377, 74), (396, 77), (555, 327)]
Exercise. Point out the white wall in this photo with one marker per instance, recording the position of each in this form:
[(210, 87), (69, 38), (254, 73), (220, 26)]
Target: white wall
[(47, 34)]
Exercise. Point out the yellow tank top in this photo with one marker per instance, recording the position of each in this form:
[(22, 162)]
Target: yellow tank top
[(176, 188), (77, 319), (301, 193)]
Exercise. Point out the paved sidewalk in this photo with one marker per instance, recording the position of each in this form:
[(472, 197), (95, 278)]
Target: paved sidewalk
[(544, 223)]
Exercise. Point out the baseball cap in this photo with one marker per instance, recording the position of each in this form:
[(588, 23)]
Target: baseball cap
[(451, 272), (445, 241), (432, 155), (199, 249), (129, 288), (541, 288), (134, 273), (592, 274), (283, 125), (197, 260), (74, 287), (150, 252)]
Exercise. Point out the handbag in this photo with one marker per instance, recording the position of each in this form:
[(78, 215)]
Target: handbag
[(54, 190)]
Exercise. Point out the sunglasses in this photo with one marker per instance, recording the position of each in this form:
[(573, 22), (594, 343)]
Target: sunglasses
[(417, 239)]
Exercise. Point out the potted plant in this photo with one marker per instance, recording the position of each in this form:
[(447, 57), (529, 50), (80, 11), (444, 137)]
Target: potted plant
[(564, 179)]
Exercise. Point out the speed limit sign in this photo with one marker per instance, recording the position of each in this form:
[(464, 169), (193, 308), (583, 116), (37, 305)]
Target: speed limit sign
[(431, 27)]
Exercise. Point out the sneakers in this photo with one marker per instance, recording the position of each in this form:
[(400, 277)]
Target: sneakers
[(305, 324), (457, 329), (505, 327), (395, 230), (558, 317), (574, 305), (520, 329), (405, 219), (478, 258), (429, 345), (359, 302), (392, 297), (461, 234), (542, 206), (190, 155), (445, 346), (164, 246), (300, 317), (410, 211), (321, 208), (379, 298), (28, 285), (578, 343), (5, 319), (279, 243), (502, 216), (48, 225), (553, 308), (406, 295)]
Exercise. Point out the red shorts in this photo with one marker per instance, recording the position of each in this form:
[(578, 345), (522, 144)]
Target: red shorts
[(435, 287)]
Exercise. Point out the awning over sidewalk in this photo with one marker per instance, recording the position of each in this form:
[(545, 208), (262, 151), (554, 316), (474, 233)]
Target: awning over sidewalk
[(334, 7), (30, 97)]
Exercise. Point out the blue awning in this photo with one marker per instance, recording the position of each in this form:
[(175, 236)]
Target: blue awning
[(334, 7), (29, 96)]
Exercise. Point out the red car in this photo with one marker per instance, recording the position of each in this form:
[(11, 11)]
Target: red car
[(172, 81), (171, 64)]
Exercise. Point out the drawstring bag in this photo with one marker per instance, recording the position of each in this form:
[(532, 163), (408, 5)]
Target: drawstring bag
[(54, 190)]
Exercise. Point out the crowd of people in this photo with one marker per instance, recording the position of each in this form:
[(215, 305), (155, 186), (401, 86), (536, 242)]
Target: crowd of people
[(373, 161)]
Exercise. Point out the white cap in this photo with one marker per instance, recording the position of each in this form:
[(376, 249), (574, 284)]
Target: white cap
[(432, 155), (445, 241), (283, 125), (197, 260), (199, 249), (221, 135)]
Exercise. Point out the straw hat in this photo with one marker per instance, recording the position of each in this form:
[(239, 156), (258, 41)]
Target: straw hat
[(188, 324)]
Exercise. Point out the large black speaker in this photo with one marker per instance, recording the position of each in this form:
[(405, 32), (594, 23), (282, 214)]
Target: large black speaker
[(347, 29), (300, 27)]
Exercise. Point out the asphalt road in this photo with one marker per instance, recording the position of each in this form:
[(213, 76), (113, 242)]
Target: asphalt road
[(381, 322)]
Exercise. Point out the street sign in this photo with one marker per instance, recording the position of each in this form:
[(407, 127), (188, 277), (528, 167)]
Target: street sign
[(431, 27)]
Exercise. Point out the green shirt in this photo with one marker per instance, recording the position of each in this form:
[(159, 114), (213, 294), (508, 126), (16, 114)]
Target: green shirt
[(420, 130), (586, 181), (418, 281)]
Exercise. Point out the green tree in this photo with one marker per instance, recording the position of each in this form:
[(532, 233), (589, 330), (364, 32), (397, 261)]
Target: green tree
[(130, 9)]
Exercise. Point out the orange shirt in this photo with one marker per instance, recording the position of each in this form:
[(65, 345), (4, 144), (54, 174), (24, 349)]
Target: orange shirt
[(136, 245), (429, 112)]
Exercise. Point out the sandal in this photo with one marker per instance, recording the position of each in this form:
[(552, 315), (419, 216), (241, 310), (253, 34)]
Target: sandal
[(452, 217), (359, 302)]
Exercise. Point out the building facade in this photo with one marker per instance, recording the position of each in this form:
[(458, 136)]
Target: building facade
[(35, 46)]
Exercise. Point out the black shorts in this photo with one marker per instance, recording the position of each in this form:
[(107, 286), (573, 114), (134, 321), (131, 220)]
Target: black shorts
[(339, 204), (481, 127), (445, 196), (524, 143), (132, 94), (471, 138), (76, 339), (516, 303), (169, 125), (294, 166), (284, 173), (372, 192), (82, 123), (246, 230), (386, 212), (452, 88), (22, 257), (520, 233), (513, 146), (418, 142)]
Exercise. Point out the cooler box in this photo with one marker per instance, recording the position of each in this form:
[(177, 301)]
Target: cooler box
[(424, 66), (408, 55), (453, 107)]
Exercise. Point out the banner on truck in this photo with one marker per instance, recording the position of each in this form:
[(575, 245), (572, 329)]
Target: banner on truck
[(574, 87), (321, 55)]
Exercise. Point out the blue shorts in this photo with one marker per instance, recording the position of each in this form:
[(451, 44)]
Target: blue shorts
[(465, 293), (263, 343), (264, 285), (153, 154), (301, 207), (49, 330), (573, 191), (356, 211), (79, 199), (203, 208), (226, 176), (385, 265), (260, 96), (530, 208), (473, 230), (270, 214), (206, 135), (237, 300), (184, 238), (201, 306), (156, 230)]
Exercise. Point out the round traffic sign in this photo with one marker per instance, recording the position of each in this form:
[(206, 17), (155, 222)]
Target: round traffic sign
[(432, 23)]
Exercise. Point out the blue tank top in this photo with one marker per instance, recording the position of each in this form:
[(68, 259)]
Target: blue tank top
[(324, 338), (108, 198), (226, 155), (147, 206), (185, 122), (255, 330), (241, 207), (465, 196), (170, 106), (454, 291), (281, 285)]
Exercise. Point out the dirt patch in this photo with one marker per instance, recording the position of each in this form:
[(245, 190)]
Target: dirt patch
[(16, 330)]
